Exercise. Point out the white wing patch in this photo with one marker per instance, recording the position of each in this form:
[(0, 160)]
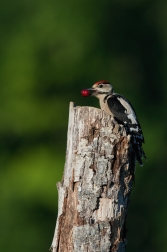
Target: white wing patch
[(133, 129), (130, 112)]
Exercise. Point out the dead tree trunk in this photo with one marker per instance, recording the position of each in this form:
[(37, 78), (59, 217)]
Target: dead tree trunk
[(95, 189)]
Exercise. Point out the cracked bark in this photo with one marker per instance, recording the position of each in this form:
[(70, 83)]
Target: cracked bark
[(95, 189)]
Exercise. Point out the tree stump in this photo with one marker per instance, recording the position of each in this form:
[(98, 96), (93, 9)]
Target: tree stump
[(95, 189)]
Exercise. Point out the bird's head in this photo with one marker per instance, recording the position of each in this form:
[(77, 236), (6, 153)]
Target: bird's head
[(99, 88)]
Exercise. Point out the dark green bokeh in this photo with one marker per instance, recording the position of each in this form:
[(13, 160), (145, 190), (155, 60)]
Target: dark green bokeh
[(50, 50)]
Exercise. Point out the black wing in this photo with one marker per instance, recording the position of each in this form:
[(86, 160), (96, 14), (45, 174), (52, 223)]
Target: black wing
[(118, 110), (123, 113)]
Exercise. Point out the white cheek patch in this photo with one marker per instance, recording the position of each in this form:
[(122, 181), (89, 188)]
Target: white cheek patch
[(130, 113)]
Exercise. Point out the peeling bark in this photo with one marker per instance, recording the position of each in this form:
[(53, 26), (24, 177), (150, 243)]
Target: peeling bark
[(95, 189)]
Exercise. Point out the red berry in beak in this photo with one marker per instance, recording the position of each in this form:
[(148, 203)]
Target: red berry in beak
[(85, 92)]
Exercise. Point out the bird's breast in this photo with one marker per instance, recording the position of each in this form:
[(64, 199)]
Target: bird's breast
[(104, 106)]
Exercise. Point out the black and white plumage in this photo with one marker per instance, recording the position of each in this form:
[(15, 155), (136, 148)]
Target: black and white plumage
[(123, 112)]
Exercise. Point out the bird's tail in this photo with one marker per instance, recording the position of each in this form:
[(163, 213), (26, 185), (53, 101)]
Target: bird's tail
[(137, 147)]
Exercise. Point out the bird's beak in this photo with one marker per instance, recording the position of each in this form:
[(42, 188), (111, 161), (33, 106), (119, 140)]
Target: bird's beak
[(92, 91)]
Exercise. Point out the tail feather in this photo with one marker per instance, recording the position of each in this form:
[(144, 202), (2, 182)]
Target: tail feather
[(137, 146)]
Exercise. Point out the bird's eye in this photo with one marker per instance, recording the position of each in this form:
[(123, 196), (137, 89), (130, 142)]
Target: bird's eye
[(101, 85)]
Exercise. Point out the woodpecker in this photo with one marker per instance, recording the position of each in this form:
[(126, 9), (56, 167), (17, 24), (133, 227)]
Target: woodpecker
[(120, 108)]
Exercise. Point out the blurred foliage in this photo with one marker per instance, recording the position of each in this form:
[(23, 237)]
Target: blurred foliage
[(50, 50)]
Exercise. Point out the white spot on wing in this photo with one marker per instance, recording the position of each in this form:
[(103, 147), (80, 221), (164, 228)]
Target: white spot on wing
[(133, 129)]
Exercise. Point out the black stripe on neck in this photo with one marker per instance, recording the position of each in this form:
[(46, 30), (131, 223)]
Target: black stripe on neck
[(105, 98), (103, 92)]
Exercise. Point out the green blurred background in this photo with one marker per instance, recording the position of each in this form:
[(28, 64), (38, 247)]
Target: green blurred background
[(50, 50)]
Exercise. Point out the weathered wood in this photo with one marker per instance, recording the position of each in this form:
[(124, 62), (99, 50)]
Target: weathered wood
[(95, 189)]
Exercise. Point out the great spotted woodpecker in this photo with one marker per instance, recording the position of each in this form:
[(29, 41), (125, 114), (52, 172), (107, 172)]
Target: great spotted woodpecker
[(121, 109)]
